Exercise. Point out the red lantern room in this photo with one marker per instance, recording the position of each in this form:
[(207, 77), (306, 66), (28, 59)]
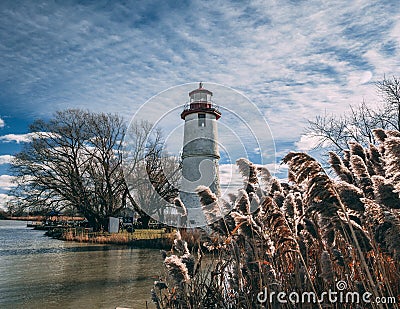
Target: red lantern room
[(200, 102)]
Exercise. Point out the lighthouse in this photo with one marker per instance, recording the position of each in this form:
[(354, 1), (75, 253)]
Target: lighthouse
[(200, 153)]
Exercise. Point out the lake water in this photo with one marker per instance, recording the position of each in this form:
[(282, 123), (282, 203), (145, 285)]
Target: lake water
[(39, 272)]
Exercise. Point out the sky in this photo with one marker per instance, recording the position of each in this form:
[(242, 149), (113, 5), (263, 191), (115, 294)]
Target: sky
[(293, 60)]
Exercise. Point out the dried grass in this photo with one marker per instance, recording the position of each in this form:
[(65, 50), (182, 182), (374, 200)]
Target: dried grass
[(300, 236)]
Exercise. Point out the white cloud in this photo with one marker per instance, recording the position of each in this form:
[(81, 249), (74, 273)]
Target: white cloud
[(294, 60), (24, 138), (6, 159), (6, 182), (230, 179), (18, 138), (277, 169), (308, 142), (4, 198), (2, 123)]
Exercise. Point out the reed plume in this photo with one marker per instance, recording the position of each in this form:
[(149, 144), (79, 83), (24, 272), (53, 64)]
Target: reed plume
[(290, 207), (249, 173), (311, 227), (242, 203), (340, 169), (275, 186), (392, 233), (265, 175), (350, 195), (254, 202), (380, 135), (393, 133), (179, 244), (385, 225), (346, 158), (357, 150), (323, 199), (215, 211), (302, 166), (363, 178), (246, 225), (299, 203), (177, 270), (392, 160), (385, 193), (207, 197), (375, 160), (189, 262), (278, 227), (181, 209)]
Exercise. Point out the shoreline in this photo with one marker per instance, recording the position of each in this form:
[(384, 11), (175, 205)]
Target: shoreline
[(38, 218), (149, 239), (140, 238), (27, 218)]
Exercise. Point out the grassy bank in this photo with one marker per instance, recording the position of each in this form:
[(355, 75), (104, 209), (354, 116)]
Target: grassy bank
[(24, 218), (146, 238)]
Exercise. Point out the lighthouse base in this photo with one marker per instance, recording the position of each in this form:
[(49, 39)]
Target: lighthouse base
[(195, 217)]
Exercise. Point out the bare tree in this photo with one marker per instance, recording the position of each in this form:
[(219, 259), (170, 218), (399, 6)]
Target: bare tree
[(76, 161), (103, 149), (358, 124), (152, 175), (73, 161), (390, 91)]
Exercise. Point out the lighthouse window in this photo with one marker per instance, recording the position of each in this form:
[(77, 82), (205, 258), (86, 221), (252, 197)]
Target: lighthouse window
[(202, 120), (200, 97)]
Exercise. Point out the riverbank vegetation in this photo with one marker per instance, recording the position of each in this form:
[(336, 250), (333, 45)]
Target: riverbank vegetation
[(302, 236), (74, 164), (146, 238)]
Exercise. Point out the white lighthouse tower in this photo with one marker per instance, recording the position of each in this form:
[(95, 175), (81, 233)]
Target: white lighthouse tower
[(200, 153)]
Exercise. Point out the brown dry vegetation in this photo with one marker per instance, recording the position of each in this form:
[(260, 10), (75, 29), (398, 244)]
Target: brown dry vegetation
[(158, 237), (302, 236)]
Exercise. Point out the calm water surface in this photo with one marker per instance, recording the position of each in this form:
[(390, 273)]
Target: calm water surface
[(39, 272)]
